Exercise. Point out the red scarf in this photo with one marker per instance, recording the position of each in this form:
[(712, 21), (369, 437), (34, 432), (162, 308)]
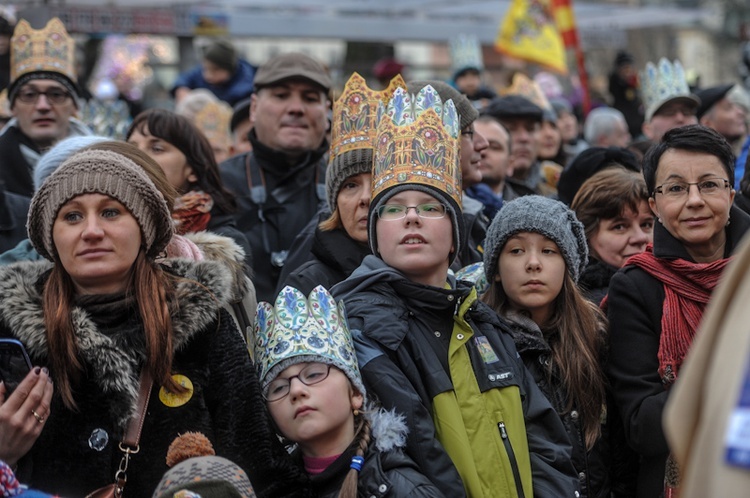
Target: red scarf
[(192, 212), (687, 289)]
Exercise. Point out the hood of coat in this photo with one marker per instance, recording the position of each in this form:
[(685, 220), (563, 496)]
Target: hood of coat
[(226, 251), (389, 429), (115, 370)]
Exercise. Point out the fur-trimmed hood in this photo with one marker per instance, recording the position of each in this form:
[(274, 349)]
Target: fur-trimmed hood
[(114, 370), (389, 429)]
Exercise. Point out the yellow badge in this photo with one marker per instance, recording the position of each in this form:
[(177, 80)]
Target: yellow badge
[(173, 400)]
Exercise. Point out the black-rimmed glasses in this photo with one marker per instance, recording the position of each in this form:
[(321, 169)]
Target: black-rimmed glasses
[(312, 374)]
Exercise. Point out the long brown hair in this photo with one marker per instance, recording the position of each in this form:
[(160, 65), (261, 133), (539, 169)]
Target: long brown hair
[(577, 340), (362, 436)]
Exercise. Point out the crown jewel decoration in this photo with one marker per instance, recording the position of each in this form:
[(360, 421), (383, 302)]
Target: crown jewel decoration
[(466, 53), (49, 49), (355, 112), (662, 83), (296, 326), (418, 142), (213, 120)]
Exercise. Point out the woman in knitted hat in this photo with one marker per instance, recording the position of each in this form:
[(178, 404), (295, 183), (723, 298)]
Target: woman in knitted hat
[(314, 392), (427, 347), (186, 157), (613, 207), (535, 252), (100, 314)]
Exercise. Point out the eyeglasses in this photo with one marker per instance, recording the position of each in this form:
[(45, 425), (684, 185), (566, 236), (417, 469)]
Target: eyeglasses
[(678, 190), (392, 212), (468, 133), (54, 96), (312, 374)]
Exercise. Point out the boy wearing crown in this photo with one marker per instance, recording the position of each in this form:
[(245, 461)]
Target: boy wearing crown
[(43, 101), (667, 99), (478, 424)]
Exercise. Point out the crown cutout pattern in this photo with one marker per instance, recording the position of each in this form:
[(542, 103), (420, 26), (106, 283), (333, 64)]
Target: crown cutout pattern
[(299, 326), (662, 83), (355, 114), (466, 52), (49, 49), (417, 142), (213, 120)]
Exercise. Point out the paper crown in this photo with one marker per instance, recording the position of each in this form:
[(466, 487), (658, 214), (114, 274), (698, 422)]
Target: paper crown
[(466, 53), (418, 143), (299, 329), (213, 121), (355, 112), (529, 89), (46, 50), (662, 84)]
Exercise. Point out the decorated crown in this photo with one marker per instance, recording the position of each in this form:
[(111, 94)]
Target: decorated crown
[(663, 83), (47, 50), (529, 89), (299, 329), (466, 52), (417, 143), (213, 120), (355, 112)]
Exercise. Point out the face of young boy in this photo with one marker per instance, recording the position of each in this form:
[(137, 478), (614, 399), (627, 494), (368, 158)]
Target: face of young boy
[(531, 270), (318, 417), (418, 247)]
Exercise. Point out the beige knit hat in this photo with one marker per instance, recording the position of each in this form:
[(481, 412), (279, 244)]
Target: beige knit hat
[(102, 172)]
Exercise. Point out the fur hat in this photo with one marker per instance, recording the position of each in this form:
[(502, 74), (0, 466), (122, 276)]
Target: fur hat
[(103, 172), (548, 217), (195, 467), (62, 150), (299, 329), (222, 54)]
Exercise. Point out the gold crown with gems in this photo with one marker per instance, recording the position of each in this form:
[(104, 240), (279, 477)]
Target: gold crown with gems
[(355, 112), (45, 50), (418, 143)]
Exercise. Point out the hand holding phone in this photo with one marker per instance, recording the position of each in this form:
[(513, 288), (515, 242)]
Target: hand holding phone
[(14, 363)]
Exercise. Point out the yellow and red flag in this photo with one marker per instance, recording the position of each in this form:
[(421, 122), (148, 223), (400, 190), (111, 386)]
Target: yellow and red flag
[(529, 32)]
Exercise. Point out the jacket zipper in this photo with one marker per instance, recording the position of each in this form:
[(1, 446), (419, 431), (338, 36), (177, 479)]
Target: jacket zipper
[(512, 458)]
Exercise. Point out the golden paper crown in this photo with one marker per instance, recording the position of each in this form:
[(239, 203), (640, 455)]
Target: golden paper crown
[(529, 89), (355, 112), (213, 120), (47, 50), (418, 143)]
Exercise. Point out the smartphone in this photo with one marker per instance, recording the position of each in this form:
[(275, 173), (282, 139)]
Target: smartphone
[(14, 364)]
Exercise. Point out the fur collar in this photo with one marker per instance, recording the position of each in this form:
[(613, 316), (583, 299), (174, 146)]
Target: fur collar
[(526, 333), (224, 250), (389, 429), (114, 370)]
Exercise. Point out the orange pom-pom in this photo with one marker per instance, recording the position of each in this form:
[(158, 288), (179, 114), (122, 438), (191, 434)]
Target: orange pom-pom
[(189, 445)]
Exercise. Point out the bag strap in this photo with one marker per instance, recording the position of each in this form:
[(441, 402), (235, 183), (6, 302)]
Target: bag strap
[(135, 424)]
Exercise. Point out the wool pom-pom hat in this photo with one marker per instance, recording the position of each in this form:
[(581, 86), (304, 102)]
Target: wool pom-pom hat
[(299, 329), (548, 217), (107, 173)]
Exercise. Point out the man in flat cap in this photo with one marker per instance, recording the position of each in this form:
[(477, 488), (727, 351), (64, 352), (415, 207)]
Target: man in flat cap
[(728, 118), (280, 184)]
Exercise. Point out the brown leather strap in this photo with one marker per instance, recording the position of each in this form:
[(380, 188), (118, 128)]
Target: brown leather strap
[(133, 432)]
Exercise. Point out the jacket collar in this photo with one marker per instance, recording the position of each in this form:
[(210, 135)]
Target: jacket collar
[(274, 162)]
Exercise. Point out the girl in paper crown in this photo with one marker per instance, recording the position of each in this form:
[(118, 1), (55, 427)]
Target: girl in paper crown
[(314, 392), (535, 251), (427, 347)]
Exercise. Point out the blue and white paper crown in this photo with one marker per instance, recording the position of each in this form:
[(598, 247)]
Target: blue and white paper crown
[(301, 329), (662, 83), (466, 53)]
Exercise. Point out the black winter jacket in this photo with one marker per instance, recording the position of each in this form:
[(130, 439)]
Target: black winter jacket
[(13, 211), (593, 466), (293, 194), (594, 280), (391, 317), (634, 309), (387, 470), (224, 403)]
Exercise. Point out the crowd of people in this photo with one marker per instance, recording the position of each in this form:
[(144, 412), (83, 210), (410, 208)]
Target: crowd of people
[(427, 288)]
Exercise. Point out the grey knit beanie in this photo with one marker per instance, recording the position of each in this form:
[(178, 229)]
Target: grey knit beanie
[(102, 172), (466, 111), (548, 217), (343, 166)]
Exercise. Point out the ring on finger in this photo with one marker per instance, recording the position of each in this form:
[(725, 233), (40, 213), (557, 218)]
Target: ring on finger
[(38, 417)]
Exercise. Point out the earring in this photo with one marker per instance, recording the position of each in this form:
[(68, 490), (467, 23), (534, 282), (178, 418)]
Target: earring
[(356, 412), (727, 223), (659, 220)]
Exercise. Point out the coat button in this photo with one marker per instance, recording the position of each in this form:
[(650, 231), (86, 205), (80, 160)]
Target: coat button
[(577, 495), (437, 334), (450, 298), (574, 415), (582, 476), (460, 337), (382, 488)]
